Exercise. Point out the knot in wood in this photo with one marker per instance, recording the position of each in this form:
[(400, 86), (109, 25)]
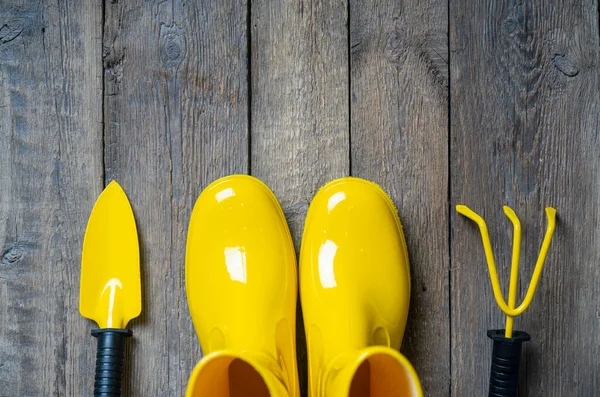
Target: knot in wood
[(172, 45), (565, 65), (11, 256), (11, 30), (396, 46), (11, 33), (509, 26)]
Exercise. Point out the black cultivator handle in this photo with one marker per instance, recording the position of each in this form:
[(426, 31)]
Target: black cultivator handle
[(110, 358), (506, 357)]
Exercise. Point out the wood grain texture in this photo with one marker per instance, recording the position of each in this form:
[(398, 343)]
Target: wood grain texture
[(525, 119), (51, 173), (300, 107), (162, 103), (176, 117), (399, 136)]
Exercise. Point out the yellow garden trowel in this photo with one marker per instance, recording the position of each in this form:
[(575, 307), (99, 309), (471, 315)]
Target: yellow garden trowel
[(110, 289)]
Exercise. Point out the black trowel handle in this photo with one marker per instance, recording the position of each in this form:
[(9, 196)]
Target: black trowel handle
[(506, 356), (110, 358)]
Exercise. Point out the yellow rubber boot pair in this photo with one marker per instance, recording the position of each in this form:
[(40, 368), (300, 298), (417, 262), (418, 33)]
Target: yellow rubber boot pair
[(241, 282)]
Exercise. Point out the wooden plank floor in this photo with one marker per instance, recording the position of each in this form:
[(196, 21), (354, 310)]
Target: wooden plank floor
[(484, 103)]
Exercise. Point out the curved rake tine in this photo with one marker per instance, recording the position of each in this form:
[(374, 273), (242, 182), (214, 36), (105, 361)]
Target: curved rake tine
[(514, 268), (509, 308)]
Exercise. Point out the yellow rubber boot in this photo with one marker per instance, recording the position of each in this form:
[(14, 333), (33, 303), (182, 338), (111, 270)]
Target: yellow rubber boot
[(355, 291), (241, 285)]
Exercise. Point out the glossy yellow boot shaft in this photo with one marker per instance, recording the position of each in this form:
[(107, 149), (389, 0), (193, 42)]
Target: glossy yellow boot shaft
[(355, 291), (226, 373), (374, 371), (241, 286)]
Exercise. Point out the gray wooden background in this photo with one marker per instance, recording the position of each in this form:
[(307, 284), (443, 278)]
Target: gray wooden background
[(484, 103)]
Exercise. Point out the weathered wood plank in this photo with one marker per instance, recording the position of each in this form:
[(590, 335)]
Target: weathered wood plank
[(51, 173), (176, 116), (299, 132), (399, 131), (525, 119)]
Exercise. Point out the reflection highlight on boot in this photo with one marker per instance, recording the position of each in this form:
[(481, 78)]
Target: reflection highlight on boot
[(326, 258), (235, 260)]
